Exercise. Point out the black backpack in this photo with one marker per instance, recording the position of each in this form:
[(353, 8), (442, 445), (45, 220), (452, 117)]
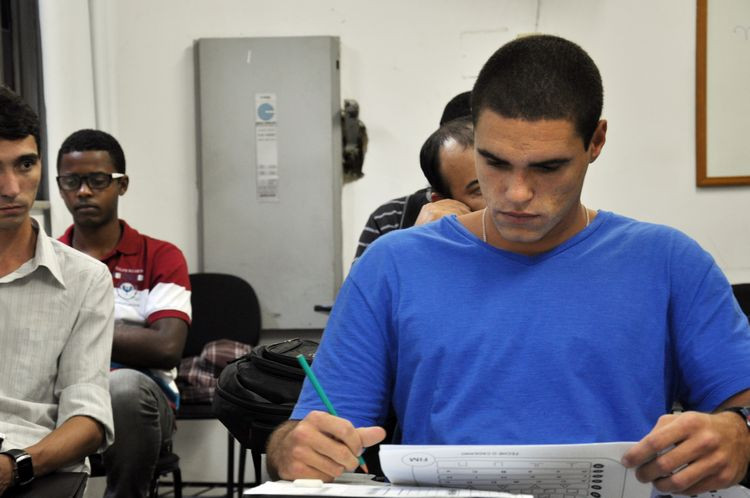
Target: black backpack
[(257, 392)]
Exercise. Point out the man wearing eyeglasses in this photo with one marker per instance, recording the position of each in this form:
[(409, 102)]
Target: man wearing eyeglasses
[(152, 307), (56, 323)]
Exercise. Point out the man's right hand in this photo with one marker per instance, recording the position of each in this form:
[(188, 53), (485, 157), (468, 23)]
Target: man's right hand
[(320, 446), (435, 210)]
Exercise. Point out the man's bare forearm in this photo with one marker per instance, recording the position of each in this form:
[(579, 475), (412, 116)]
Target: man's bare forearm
[(157, 346), (75, 439)]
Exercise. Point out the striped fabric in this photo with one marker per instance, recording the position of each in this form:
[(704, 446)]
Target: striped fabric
[(198, 374), (393, 215)]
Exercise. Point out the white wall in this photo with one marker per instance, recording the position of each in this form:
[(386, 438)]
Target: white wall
[(402, 60)]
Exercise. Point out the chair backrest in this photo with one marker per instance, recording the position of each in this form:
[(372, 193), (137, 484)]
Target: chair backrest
[(742, 293), (224, 307)]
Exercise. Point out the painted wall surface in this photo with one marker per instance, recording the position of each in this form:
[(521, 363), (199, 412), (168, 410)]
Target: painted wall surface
[(132, 74)]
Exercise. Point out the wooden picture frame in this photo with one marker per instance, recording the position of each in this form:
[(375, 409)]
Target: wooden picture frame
[(709, 174)]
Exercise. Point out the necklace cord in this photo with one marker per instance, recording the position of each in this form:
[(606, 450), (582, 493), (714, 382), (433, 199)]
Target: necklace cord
[(484, 230), (484, 222), (585, 210)]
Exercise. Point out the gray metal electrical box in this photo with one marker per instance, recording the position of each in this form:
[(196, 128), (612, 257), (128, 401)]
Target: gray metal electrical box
[(270, 171)]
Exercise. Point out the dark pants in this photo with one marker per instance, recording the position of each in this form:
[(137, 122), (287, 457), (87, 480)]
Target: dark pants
[(144, 423)]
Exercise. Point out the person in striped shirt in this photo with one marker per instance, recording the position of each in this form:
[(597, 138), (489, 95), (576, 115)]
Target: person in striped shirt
[(447, 161), (152, 307)]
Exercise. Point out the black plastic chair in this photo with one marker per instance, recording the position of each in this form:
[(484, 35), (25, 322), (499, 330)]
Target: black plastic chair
[(742, 294), (224, 307), (168, 463)]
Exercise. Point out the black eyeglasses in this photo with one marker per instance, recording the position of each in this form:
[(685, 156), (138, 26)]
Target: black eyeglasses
[(95, 181)]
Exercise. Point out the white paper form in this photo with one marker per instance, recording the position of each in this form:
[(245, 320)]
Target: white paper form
[(544, 471), (362, 490)]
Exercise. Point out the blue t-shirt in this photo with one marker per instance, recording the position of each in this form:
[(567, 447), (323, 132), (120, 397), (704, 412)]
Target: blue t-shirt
[(589, 342)]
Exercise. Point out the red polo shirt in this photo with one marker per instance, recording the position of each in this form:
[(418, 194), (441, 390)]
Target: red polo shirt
[(150, 278)]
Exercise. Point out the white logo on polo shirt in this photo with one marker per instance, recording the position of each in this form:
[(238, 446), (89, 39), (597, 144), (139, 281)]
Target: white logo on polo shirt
[(126, 291)]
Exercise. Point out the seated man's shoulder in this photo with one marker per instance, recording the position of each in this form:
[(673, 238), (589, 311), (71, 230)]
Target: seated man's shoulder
[(73, 260), (161, 245), (390, 208), (638, 229), (155, 247), (399, 203), (652, 238), (415, 241)]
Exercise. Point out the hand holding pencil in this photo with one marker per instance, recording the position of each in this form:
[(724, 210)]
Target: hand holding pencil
[(324, 398), (320, 446)]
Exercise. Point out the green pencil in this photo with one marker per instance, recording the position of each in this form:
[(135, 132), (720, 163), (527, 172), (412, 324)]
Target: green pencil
[(322, 394)]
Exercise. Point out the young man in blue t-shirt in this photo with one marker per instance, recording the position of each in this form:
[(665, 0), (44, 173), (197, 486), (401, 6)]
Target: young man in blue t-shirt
[(536, 320)]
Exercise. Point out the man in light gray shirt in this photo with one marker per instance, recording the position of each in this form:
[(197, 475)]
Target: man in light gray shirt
[(56, 324)]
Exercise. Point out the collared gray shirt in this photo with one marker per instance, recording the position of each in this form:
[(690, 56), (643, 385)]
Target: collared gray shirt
[(56, 327)]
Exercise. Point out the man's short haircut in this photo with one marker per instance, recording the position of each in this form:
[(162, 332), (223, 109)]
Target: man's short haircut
[(462, 131), (457, 107), (17, 119), (85, 140), (541, 77)]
